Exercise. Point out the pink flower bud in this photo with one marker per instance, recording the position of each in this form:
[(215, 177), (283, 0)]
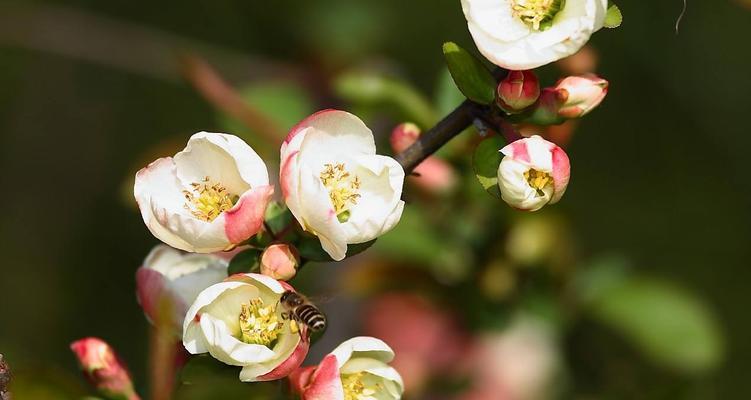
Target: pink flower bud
[(517, 91), (581, 93), (403, 136), (280, 261), (103, 368)]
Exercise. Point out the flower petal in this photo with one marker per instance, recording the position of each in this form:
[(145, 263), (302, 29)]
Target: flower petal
[(245, 219), (325, 383), (363, 346)]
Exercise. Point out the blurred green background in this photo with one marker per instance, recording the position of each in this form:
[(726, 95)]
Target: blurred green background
[(88, 88)]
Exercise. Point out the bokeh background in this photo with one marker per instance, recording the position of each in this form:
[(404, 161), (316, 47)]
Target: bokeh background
[(93, 90)]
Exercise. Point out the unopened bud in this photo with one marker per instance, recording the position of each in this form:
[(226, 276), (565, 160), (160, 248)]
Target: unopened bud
[(581, 93), (403, 136), (517, 91), (103, 368), (280, 261)]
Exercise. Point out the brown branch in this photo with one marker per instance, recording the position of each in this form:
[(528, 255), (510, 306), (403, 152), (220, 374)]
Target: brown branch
[(225, 98), (452, 125)]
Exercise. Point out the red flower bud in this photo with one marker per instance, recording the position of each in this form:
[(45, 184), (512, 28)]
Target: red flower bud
[(517, 91), (581, 93), (103, 368)]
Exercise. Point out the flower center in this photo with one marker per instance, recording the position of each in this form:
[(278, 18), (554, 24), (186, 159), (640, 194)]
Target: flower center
[(538, 14), (355, 388), (208, 200), (342, 187), (538, 180), (259, 323)]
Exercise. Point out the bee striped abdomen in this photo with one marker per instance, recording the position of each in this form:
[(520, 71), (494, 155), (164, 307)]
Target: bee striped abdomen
[(310, 316)]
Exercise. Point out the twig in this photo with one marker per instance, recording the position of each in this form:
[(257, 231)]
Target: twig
[(211, 85), (4, 379)]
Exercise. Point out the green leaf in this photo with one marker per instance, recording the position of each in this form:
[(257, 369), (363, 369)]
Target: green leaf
[(613, 17), (470, 75), (310, 249), (670, 326), (245, 261), (485, 162), (372, 88)]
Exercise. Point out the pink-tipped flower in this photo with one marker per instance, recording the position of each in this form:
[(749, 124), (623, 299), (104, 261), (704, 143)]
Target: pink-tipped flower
[(103, 368), (533, 173), (433, 174), (240, 322), (517, 91), (209, 197), (169, 281), (280, 261), (581, 94), (357, 369)]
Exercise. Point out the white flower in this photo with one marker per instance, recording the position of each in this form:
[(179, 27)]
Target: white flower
[(209, 197), (239, 322), (526, 34), (356, 369), (533, 173), (335, 184), (172, 279)]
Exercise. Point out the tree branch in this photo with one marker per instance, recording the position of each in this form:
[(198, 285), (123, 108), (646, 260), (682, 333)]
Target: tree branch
[(452, 125)]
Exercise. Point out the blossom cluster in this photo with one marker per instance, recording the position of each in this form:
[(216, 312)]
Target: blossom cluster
[(209, 204)]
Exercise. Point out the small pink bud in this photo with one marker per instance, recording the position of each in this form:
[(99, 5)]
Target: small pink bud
[(581, 93), (103, 368), (403, 136), (280, 261), (517, 91)]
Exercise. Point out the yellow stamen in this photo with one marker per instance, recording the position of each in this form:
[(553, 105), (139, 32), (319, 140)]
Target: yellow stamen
[(343, 189), (259, 323), (538, 180), (355, 388), (536, 12), (208, 200)]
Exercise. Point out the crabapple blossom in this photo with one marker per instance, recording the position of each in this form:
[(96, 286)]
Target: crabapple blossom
[(356, 369), (103, 368), (533, 173), (526, 34), (240, 322), (172, 279), (209, 197), (335, 184)]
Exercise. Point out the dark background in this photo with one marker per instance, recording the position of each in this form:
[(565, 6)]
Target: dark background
[(87, 87)]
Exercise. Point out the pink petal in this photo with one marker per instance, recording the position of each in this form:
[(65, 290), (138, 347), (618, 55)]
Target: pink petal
[(152, 294), (286, 171), (300, 378), (305, 123), (289, 365), (561, 172), (518, 151), (245, 219), (325, 384)]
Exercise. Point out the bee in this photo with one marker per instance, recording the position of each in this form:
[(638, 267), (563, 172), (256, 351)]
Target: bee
[(300, 309)]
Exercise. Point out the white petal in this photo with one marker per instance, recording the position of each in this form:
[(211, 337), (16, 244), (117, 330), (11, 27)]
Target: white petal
[(514, 187), (495, 18), (162, 258), (363, 346), (226, 348), (224, 158), (334, 134), (318, 214), (379, 207), (192, 338)]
